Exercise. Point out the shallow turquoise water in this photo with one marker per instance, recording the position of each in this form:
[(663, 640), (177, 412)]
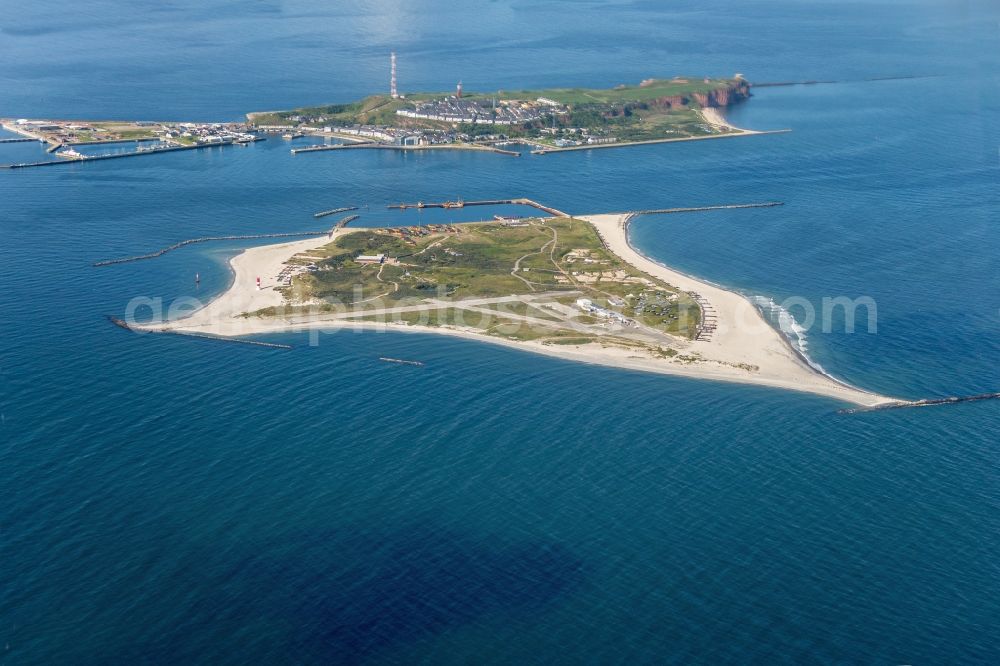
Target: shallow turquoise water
[(170, 500)]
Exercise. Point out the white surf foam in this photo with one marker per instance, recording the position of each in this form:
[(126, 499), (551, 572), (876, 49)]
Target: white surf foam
[(789, 327)]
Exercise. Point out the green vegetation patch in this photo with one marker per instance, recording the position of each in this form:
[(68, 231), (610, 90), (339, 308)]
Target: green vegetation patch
[(652, 90), (498, 274)]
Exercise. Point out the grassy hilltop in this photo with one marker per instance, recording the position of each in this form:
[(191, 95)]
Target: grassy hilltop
[(646, 92)]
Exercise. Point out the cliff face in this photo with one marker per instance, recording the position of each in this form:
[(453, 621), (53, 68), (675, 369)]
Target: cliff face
[(725, 96), (731, 94), (673, 102)]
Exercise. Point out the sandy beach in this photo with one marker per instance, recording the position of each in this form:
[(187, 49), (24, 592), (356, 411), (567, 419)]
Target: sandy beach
[(713, 116), (742, 337)]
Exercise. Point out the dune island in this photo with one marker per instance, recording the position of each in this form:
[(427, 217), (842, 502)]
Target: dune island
[(565, 286)]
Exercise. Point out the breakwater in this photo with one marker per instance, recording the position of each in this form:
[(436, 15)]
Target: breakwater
[(191, 241), (488, 202), (389, 146), (216, 338), (697, 209), (114, 156), (100, 142), (813, 82), (334, 146), (400, 361), (344, 222), (926, 402), (20, 139), (324, 213), (121, 323), (648, 142), (542, 207)]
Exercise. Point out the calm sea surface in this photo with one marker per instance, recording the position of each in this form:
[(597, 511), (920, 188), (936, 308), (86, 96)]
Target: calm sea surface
[(168, 500)]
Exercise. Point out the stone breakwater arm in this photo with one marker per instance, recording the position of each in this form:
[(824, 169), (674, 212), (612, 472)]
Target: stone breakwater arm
[(190, 241)]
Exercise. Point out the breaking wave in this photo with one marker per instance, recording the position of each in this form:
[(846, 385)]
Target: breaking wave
[(793, 331)]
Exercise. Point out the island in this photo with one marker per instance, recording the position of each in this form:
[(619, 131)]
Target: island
[(545, 121), (549, 120), (565, 286)]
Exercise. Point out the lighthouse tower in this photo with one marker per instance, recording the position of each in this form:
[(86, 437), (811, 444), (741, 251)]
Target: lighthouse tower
[(458, 90)]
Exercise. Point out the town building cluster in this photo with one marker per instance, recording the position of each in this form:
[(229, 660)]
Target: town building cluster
[(565, 137), (396, 135), (457, 110), (207, 132)]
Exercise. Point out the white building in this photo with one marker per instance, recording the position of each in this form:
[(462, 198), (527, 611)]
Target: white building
[(588, 306)]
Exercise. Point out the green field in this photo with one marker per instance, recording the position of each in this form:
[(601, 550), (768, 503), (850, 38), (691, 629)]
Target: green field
[(621, 94), (373, 110), (456, 267)]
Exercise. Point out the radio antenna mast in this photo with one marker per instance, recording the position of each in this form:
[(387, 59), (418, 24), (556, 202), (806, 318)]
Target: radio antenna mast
[(392, 76)]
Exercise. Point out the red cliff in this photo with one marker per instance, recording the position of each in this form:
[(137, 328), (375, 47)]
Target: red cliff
[(731, 94)]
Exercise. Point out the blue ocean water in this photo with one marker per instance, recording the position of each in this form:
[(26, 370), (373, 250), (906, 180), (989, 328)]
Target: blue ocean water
[(171, 500)]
